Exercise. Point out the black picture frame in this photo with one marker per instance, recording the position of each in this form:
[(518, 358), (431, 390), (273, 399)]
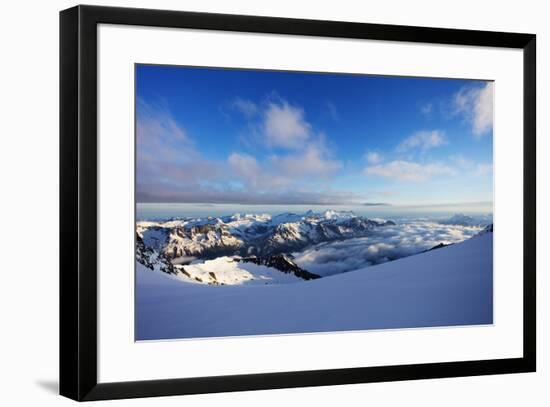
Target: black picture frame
[(78, 202)]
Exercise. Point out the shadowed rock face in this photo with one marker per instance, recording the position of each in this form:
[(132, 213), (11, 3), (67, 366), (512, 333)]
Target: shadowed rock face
[(281, 263), (438, 246), (151, 259)]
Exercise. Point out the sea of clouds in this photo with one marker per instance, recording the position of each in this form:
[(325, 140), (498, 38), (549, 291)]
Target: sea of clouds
[(384, 244)]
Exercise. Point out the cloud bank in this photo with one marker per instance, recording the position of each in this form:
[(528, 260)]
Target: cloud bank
[(409, 171), (385, 244)]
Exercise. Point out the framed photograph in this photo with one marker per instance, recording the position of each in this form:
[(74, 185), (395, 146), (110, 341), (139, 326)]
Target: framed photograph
[(257, 202)]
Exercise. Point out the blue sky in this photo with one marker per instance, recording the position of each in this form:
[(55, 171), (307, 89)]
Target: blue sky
[(208, 135)]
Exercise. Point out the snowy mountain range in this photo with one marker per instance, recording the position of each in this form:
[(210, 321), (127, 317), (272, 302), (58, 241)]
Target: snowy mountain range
[(251, 234), (224, 270), (243, 249), (260, 248)]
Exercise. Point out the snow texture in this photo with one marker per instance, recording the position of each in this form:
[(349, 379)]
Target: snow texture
[(449, 286), (229, 271)]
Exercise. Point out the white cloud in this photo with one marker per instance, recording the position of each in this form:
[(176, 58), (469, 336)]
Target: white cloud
[(297, 174), (461, 161), (158, 133), (476, 105), (246, 107), (332, 110), (169, 168), (408, 171), (484, 169), (372, 157), (285, 126), (426, 109), (245, 166), (166, 158), (311, 161), (470, 167), (423, 140)]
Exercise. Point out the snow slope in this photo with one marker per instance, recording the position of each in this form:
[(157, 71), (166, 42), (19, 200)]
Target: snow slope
[(449, 286), (229, 271)]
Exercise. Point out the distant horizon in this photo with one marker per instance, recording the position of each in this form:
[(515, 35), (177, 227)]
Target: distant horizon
[(318, 204), (150, 211)]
